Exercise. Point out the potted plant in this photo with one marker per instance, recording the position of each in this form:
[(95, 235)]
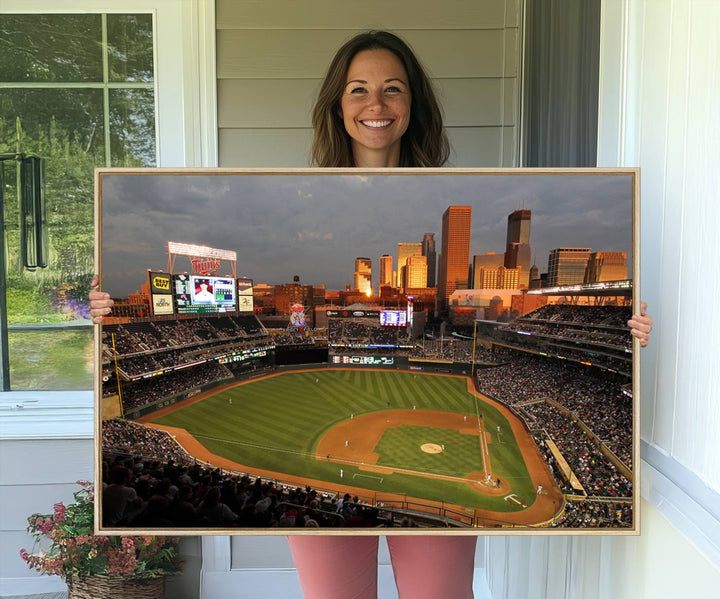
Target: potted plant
[(97, 566)]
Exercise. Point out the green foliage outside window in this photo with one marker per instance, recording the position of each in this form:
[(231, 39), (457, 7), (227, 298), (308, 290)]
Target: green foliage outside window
[(78, 91)]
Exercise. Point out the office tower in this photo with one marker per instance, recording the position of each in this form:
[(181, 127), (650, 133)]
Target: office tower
[(405, 250), (517, 244), (566, 266), (535, 282), (486, 278), (455, 252), (428, 250), (606, 266), (497, 277), (508, 278), (386, 271), (363, 276), (534, 272), (415, 273), (487, 261)]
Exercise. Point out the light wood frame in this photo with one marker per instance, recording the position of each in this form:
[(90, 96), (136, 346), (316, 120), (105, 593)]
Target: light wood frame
[(422, 179)]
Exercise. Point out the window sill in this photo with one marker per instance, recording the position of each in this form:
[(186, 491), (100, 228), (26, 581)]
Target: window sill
[(681, 496), (46, 415)]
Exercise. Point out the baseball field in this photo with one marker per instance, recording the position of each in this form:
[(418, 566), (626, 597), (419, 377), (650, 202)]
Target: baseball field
[(428, 437)]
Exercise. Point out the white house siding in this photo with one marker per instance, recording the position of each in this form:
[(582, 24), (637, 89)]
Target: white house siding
[(271, 58)]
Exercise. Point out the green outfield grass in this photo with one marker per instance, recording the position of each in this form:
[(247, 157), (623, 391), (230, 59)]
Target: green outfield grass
[(276, 423)]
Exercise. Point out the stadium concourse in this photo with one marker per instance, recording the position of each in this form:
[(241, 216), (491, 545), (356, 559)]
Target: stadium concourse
[(564, 370)]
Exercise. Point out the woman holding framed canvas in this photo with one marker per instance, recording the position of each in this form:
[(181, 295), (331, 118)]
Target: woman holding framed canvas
[(377, 108)]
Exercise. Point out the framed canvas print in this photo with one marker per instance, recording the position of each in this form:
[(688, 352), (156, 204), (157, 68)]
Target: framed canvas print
[(395, 351)]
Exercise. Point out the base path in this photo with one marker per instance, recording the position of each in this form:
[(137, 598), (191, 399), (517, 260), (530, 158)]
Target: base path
[(371, 427)]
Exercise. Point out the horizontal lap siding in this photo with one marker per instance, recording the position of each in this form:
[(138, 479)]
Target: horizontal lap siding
[(35, 475), (338, 14), (270, 63)]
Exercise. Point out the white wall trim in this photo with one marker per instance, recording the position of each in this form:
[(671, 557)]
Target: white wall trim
[(679, 494), (46, 415), (200, 87), (186, 121)]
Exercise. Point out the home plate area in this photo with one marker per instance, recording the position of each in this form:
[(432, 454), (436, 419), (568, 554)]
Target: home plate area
[(512, 498)]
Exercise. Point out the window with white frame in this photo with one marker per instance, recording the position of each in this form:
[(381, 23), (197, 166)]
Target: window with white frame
[(78, 91)]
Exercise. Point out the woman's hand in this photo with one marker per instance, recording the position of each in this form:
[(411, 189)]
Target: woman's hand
[(641, 325), (100, 302)]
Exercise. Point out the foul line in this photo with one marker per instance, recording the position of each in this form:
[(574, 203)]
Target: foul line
[(380, 478), (484, 451)]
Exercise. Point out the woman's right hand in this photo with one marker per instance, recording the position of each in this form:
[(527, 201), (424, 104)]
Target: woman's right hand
[(100, 302)]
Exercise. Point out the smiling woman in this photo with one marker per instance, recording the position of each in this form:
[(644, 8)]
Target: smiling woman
[(375, 107), (365, 103)]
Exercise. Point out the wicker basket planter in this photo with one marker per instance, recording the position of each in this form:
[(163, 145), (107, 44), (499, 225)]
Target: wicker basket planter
[(116, 587)]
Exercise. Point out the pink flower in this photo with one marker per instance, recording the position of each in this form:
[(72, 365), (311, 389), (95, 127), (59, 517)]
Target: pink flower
[(121, 562), (25, 555), (44, 526), (59, 512), (128, 543)]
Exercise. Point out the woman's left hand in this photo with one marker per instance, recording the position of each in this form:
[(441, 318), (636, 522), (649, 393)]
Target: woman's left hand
[(641, 325)]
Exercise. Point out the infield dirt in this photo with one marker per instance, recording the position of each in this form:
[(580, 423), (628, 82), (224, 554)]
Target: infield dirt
[(360, 452)]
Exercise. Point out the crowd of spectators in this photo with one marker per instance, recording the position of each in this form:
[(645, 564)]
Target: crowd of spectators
[(593, 469), (455, 350), (597, 401), (143, 337), (130, 438), (598, 334), (595, 514), (357, 332), (290, 338), (148, 391), (564, 332), (149, 481), (608, 316), (556, 398)]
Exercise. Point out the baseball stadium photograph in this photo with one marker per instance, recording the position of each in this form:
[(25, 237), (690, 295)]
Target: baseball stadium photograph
[(302, 351)]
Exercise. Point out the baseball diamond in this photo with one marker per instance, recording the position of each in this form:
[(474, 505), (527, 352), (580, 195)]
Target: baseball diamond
[(304, 426)]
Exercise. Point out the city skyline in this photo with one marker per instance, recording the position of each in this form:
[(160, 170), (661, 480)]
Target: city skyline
[(315, 225)]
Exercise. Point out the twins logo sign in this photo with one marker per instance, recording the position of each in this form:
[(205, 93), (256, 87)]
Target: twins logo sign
[(297, 316)]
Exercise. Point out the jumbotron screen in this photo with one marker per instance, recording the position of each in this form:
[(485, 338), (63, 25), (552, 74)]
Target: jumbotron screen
[(196, 294), (393, 318)]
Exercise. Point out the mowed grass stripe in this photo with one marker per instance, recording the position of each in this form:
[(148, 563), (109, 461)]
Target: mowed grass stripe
[(400, 447), (276, 423)]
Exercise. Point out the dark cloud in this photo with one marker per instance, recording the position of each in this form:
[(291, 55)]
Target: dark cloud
[(315, 225)]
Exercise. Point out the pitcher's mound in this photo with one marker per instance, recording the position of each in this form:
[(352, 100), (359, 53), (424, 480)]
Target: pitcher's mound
[(431, 448)]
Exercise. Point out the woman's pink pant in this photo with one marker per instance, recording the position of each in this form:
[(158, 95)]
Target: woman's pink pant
[(425, 567)]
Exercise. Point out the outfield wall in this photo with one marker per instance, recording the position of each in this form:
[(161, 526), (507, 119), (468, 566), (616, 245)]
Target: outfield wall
[(302, 359)]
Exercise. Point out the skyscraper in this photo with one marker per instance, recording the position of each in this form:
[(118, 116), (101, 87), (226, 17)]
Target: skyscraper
[(363, 276), (455, 253), (405, 250), (416, 272), (606, 266), (487, 261), (517, 245), (428, 250), (386, 271), (566, 266)]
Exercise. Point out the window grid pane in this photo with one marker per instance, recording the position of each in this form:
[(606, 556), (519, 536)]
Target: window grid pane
[(88, 101)]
